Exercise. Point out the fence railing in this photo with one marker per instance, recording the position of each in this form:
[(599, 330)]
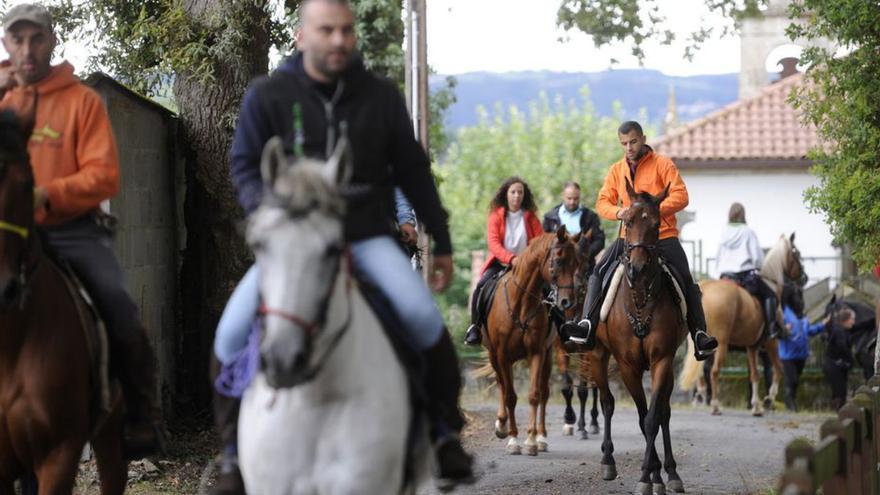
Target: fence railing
[(845, 461)]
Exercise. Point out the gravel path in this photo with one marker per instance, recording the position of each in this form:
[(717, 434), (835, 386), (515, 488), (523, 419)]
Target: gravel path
[(731, 454)]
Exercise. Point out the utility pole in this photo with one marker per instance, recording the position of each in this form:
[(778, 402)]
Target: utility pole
[(417, 91)]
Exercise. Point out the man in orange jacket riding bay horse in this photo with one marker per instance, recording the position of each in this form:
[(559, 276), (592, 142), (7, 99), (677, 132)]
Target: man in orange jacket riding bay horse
[(76, 168), (648, 172)]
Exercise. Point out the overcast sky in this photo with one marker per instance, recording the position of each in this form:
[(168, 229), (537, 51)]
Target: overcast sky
[(513, 35)]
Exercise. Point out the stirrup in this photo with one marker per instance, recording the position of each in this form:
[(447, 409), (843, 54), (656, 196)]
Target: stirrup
[(584, 324)]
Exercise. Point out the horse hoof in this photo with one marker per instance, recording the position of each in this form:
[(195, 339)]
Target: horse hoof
[(501, 430), (676, 486), (594, 429), (584, 435), (513, 448), (768, 404), (716, 411), (542, 444), (567, 430), (532, 450), (757, 413), (609, 472), (643, 488), (659, 488)]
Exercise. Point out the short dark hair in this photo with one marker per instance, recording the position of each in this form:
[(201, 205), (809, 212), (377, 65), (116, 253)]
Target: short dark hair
[(629, 126), (737, 213), (843, 315), (305, 3), (571, 183), (500, 199)]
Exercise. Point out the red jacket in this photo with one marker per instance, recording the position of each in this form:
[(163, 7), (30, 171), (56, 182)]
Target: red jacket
[(495, 235)]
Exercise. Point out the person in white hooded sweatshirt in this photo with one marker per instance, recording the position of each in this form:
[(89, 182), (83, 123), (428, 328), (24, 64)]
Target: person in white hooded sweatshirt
[(740, 258)]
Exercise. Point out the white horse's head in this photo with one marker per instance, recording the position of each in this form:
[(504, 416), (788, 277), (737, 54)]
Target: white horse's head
[(297, 237)]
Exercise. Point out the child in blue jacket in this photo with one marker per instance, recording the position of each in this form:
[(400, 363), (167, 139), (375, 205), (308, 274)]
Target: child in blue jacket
[(795, 349)]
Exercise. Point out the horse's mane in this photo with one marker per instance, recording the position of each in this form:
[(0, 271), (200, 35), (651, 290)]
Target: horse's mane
[(12, 139), (301, 188), (773, 268), (534, 253)]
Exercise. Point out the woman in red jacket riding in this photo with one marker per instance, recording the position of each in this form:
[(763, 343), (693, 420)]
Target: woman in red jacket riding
[(512, 224)]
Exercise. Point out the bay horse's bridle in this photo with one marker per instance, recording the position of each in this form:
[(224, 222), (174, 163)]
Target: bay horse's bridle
[(640, 318), (23, 232)]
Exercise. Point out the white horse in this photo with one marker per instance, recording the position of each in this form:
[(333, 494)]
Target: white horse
[(329, 412)]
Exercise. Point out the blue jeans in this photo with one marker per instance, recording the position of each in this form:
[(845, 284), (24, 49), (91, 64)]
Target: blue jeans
[(379, 261)]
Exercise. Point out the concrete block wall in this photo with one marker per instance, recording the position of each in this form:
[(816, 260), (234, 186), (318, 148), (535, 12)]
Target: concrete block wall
[(146, 240)]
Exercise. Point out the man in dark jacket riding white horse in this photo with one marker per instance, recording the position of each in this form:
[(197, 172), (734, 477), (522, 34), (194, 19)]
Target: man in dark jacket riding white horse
[(314, 97)]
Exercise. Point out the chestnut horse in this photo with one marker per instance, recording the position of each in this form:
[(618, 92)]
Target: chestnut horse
[(518, 328), (645, 301), (48, 401), (735, 318)]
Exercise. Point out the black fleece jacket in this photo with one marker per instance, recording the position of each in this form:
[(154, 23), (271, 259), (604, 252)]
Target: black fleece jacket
[(372, 113)]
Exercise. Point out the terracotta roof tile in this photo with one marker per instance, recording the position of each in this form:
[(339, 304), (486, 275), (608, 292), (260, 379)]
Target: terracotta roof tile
[(765, 126)]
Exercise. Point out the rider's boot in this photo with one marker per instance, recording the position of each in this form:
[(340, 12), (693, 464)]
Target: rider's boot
[(584, 332), (144, 431), (443, 386), (704, 344), (770, 318), (473, 335), (229, 481)]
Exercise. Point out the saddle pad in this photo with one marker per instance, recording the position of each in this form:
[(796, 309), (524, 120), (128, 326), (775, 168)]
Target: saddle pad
[(615, 283), (487, 296), (94, 331)]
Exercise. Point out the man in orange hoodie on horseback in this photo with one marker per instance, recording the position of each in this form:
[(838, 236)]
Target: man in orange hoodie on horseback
[(647, 172), (76, 168)]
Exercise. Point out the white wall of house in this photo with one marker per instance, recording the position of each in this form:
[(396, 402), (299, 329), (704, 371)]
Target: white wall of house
[(774, 203)]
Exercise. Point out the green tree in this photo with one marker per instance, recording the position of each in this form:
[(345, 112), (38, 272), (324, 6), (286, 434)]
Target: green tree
[(841, 96), (842, 99), (551, 142), (207, 51)]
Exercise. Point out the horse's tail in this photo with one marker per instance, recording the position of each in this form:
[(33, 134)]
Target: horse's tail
[(485, 370), (691, 371)]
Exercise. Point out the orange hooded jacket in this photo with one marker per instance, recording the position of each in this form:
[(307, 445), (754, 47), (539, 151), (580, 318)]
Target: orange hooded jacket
[(652, 174), (73, 151)]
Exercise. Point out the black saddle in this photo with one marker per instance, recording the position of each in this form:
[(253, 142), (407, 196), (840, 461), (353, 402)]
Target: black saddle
[(487, 295), (749, 280), (413, 364)]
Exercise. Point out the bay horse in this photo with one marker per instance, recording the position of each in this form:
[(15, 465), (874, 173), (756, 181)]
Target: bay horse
[(735, 318), (582, 363), (518, 328), (643, 329), (49, 393), (584, 387), (329, 411)]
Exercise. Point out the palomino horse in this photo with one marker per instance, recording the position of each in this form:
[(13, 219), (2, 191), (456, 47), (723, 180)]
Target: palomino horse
[(49, 395), (518, 328), (330, 411), (644, 328), (735, 318)]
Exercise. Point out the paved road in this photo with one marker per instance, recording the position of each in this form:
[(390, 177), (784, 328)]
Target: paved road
[(731, 454)]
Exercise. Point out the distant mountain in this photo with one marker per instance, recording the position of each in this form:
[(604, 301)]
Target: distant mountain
[(635, 89)]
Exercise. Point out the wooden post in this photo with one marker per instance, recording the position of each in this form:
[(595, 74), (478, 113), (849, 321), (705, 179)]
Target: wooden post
[(830, 460), (417, 94), (869, 399), (856, 462)]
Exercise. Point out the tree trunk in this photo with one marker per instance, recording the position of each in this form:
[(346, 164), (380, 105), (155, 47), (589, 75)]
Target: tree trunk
[(216, 256)]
